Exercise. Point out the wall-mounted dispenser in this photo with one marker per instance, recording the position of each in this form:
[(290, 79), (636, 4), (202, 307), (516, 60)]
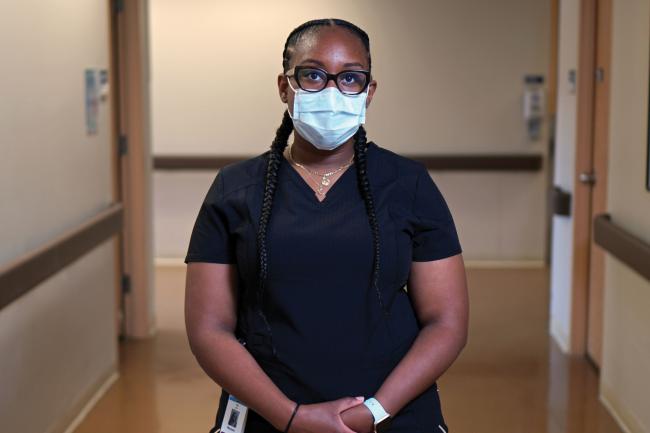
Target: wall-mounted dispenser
[(533, 105)]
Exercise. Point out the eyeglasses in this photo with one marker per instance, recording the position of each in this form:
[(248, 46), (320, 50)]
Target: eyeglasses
[(313, 79)]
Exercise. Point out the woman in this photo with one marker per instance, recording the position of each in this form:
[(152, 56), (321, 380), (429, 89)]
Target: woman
[(326, 288)]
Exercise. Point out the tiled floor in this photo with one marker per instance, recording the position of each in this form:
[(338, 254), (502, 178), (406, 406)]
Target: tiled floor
[(510, 378)]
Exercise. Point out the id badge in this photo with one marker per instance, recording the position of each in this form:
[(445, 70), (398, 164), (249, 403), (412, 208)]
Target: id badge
[(234, 419)]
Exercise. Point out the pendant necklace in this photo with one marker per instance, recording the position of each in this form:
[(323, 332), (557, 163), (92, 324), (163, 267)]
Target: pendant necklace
[(324, 177)]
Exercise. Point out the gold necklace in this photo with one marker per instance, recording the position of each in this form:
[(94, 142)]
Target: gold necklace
[(324, 177)]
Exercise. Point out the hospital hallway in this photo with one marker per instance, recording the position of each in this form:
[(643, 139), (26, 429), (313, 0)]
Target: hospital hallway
[(138, 136), (511, 377)]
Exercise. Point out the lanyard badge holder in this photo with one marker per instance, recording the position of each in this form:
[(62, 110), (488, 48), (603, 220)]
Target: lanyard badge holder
[(234, 419)]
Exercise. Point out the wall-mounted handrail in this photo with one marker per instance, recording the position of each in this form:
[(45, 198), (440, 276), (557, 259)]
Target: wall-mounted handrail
[(627, 248), (24, 273), (457, 162), (560, 201)]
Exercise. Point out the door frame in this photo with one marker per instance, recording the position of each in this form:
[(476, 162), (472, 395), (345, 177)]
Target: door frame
[(116, 166), (551, 113), (130, 92)]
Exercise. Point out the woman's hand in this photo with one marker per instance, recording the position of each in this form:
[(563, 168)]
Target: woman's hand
[(324, 417), (358, 418)]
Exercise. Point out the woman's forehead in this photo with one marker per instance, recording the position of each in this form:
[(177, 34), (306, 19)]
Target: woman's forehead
[(330, 45)]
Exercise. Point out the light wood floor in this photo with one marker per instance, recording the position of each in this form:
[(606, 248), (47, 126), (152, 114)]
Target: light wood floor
[(510, 378)]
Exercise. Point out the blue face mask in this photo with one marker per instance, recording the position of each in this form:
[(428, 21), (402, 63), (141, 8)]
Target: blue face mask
[(328, 118)]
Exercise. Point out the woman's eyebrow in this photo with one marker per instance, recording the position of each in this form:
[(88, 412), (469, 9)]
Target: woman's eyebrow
[(347, 65), (321, 64), (318, 62)]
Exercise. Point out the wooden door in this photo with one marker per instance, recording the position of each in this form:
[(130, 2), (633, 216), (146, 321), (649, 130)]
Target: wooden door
[(590, 192), (598, 178)]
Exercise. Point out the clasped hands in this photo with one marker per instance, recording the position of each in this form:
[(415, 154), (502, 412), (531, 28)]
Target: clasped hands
[(344, 415)]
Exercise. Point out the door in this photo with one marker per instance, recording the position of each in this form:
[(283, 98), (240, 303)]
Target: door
[(591, 176), (597, 179)]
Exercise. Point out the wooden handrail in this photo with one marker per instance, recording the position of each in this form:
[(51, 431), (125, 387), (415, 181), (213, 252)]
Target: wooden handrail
[(460, 162), (626, 247), (24, 273)]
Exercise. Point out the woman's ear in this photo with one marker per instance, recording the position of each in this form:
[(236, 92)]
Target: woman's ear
[(282, 88), (372, 87)]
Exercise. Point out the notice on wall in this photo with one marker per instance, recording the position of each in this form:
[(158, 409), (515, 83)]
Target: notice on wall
[(92, 101), (104, 88)]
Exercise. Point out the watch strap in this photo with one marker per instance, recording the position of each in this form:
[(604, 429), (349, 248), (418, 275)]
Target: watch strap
[(378, 412)]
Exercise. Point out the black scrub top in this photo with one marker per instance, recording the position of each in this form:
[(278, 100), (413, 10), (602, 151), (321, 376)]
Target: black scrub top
[(326, 336)]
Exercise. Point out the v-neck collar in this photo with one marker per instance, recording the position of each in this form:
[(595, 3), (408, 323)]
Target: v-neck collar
[(336, 190), (333, 191)]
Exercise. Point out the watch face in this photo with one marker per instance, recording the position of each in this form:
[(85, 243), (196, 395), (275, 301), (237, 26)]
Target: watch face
[(382, 426)]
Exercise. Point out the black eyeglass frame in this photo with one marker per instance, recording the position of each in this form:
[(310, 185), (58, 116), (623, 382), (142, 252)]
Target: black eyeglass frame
[(329, 76)]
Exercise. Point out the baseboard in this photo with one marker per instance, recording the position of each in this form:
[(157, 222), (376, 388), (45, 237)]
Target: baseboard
[(560, 337), (506, 264), (624, 419), (79, 411)]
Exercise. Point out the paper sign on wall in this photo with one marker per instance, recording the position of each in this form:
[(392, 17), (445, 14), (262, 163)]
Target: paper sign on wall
[(92, 101)]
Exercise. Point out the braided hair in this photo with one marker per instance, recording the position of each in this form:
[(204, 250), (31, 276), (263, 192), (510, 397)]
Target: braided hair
[(275, 158)]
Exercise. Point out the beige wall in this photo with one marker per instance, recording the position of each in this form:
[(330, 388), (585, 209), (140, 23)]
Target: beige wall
[(450, 80), (57, 341), (625, 374)]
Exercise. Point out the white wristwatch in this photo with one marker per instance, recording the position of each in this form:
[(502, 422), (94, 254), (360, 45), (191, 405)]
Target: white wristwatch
[(381, 417)]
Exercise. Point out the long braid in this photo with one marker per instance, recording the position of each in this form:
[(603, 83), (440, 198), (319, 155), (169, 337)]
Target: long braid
[(275, 159), (360, 148), (270, 184)]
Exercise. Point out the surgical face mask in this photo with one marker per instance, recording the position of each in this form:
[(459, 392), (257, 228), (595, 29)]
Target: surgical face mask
[(328, 118)]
